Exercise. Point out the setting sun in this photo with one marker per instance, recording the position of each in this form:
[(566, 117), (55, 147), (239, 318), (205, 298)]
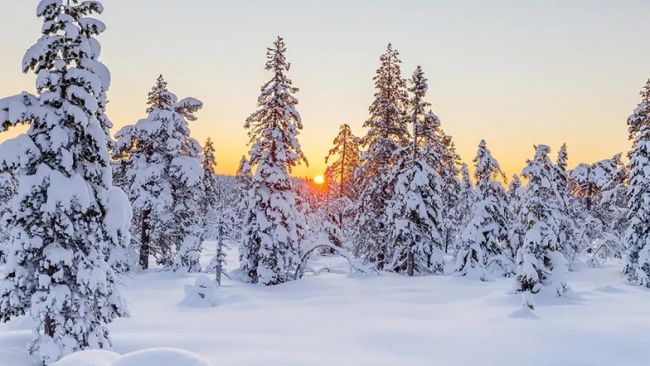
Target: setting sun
[(319, 179)]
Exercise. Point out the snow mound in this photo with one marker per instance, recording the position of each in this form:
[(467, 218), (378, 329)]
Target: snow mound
[(147, 357), (160, 356), (202, 294), (89, 358), (523, 313)]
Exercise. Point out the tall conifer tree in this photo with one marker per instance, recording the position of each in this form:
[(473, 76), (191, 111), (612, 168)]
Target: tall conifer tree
[(540, 261), (637, 267), (69, 221), (415, 212), (387, 133), (272, 234), (486, 234), (568, 234), (345, 153), (161, 171)]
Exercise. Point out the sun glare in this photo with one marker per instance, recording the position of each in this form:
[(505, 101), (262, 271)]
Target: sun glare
[(319, 179)]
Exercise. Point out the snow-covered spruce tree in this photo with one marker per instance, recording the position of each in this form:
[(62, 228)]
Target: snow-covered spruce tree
[(213, 210), (568, 235), (235, 215), (270, 248), (637, 268), (540, 262), (68, 219), (211, 192), (462, 212), (486, 234), (345, 154), (387, 133), (613, 212), (516, 229), (415, 211), (446, 161), (599, 190), (162, 174)]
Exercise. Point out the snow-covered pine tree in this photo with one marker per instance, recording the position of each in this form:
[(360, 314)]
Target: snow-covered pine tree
[(462, 212), (568, 235), (68, 220), (188, 191), (637, 268), (541, 263), (345, 154), (331, 187), (613, 212), (486, 234), (516, 229), (588, 180), (599, 188), (213, 210), (235, 215), (446, 161), (387, 133), (211, 200), (415, 211), (272, 234), (161, 172), (452, 190), (218, 262)]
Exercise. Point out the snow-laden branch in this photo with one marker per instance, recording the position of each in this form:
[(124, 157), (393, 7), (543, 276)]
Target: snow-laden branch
[(353, 262)]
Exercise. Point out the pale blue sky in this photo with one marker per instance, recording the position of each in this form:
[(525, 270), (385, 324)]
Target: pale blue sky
[(513, 72)]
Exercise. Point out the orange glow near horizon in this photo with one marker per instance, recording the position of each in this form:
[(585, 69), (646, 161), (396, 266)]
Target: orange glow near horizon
[(541, 75)]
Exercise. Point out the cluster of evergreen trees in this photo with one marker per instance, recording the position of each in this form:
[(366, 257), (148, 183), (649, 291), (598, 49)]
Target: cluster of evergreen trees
[(400, 199), (79, 207)]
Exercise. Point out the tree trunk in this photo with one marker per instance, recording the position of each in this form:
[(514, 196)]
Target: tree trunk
[(410, 263), (218, 268), (446, 241), (144, 241), (342, 187), (48, 326)]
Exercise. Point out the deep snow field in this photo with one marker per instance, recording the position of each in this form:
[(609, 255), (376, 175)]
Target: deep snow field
[(340, 319)]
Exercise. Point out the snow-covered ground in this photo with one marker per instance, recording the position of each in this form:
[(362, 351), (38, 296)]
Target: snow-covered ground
[(338, 319)]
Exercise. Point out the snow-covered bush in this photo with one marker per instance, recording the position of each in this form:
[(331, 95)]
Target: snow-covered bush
[(202, 294)]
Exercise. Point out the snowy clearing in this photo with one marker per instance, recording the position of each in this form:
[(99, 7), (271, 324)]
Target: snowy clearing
[(338, 319)]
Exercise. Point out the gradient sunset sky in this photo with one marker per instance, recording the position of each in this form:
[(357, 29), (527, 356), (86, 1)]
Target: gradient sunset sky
[(516, 73)]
